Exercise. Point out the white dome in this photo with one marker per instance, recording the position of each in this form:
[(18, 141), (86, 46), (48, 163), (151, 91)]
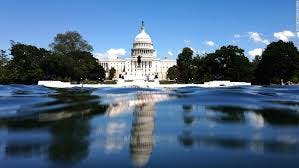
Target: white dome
[(143, 37)]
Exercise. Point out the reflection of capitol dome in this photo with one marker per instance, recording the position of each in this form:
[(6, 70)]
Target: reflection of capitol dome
[(121, 105), (140, 158), (141, 142)]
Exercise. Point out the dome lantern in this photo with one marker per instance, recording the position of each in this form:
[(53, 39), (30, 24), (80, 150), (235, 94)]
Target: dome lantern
[(143, 37)]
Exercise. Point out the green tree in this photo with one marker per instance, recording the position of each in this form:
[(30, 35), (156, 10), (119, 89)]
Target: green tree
[(86, 66), (112, 72), (228, 63), (3, 65), (3, 58), (279, 62), (254, 67), (73, 66), (57, 67), (172, 73), (70, 41), (24, 67), (199, 69), (184, 64)]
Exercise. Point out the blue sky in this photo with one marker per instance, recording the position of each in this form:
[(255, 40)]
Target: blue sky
[(204, 25)]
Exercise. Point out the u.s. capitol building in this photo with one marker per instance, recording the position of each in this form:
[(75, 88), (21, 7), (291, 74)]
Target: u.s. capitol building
[(143, 63)]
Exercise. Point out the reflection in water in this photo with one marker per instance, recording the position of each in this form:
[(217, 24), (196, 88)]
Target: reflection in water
[(188, 120), (66, 119), (24, 149), (228, 114), (66, 104), (114, 133), (256, 120), (277, 116), (141, 140), (141, 143), (283, 145), (123, 104), (40, 127), (69, 142), (187, 108), (277, 142)]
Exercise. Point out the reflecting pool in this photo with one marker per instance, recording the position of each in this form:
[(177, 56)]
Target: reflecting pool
[(128, 127)]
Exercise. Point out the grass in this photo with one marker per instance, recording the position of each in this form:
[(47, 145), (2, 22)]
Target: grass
[(109, 82), (166, 82)]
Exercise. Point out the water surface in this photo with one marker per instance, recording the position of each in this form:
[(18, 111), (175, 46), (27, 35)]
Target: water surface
[(188, 127)]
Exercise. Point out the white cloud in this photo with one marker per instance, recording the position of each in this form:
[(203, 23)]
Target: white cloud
[(210, 43), (237, 36), (284, 35), (114, 128), (255, 52), (111, 54), (170, 53), (99, 55), (187, 42), (257, 37)]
